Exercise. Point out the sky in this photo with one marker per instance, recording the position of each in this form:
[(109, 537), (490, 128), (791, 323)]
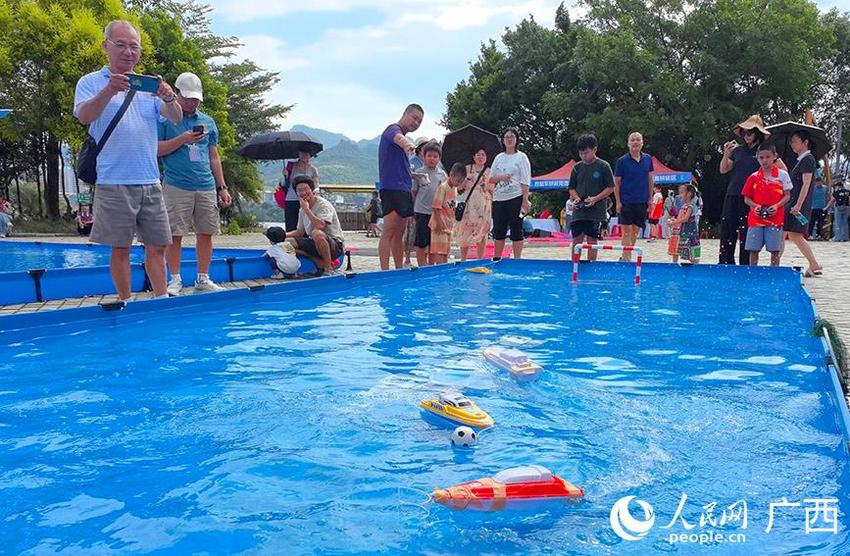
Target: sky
[(351, 66)]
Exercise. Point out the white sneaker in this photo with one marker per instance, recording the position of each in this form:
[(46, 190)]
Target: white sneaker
[(175, 286), (204, 284)]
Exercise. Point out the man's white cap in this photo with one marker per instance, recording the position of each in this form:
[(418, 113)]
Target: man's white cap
[(190, 86)]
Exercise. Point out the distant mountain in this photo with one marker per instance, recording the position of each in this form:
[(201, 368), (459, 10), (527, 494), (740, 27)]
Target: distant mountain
[(342, 162), (328, 139)]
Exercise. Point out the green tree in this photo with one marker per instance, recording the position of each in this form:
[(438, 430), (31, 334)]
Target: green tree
[(249, 113), (832, 107), (185, 42), (513, 88), (45, 47), (681, 72)]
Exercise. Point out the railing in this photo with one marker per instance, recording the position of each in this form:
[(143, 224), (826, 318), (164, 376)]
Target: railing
[(600, 247)]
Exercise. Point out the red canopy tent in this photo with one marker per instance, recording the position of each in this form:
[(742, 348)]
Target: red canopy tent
[(556, 179)]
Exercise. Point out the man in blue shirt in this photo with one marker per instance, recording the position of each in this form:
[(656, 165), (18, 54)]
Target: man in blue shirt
[(128, 199), (396, 183), (194, 182), (632, 190)]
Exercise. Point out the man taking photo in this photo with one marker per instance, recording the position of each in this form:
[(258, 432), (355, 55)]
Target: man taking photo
[(194, 182)]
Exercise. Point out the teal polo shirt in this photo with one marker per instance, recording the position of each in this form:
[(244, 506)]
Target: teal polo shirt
[(182, 168)]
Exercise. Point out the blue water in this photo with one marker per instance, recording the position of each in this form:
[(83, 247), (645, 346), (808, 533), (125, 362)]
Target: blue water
[(289, 424), (22, 256), (25, 256)]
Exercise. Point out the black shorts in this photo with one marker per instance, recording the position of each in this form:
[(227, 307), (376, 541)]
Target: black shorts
[(398, 201), (506, 215), (589, 228), (633, 214), (653, 221), (307, 245), (422, 235)]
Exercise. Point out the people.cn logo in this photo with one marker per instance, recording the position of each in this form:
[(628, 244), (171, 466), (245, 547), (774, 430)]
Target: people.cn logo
[(625, 525)]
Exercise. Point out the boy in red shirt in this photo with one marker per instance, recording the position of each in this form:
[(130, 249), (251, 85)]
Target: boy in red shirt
[(766, 192)]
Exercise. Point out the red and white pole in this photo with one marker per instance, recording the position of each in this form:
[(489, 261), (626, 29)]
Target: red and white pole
[(601, 247)]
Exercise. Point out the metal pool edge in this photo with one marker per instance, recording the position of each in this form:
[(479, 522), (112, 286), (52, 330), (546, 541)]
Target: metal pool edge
[(12, 324), (50, 284), (831, 364)]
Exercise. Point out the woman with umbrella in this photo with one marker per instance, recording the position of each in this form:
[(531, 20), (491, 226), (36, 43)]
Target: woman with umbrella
[(477, 195), (797, 218), (301, 167), (283, 145), (472, 144)]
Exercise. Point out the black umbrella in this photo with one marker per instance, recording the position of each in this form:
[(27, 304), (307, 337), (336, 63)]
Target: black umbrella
[(460, 145), (279, 145), (780, 135)]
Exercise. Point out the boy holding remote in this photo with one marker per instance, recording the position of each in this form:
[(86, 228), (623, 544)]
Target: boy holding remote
[(766, 192)]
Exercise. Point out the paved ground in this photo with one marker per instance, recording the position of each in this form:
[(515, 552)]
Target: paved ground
[(830, 290)]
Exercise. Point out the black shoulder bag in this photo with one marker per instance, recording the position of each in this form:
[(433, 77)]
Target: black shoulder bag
[(87, 159), (460, 208)]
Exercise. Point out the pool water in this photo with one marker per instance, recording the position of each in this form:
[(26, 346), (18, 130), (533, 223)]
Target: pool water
[(15, 256), (20, 255), (289, 424)]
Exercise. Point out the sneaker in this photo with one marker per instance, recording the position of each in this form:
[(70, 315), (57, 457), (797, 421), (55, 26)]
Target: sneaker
[(175, 286), (204, 284)]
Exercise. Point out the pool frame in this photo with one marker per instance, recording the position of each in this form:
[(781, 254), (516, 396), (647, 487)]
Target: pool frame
[(19, 327), (40, 284)]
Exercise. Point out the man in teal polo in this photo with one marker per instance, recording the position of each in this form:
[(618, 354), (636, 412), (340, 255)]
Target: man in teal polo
[(194, 182)]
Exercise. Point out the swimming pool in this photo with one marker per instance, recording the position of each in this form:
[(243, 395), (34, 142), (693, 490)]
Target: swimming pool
[(286, 419), (26, 255), (43, 271)]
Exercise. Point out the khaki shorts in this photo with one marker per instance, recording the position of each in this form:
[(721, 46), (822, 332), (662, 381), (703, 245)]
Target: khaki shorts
[(123, 211), (200, 208)]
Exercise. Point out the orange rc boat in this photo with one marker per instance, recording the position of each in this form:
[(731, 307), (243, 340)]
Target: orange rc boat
[(490, 494)]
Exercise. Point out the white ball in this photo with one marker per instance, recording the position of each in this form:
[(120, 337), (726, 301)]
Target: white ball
[(464, 436)]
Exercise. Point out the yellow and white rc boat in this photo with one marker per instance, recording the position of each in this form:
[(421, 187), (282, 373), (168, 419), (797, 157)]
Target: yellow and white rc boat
[(457, 408)]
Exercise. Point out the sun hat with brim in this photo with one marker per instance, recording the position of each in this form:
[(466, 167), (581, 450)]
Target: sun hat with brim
[(753, 122), (421, 142)]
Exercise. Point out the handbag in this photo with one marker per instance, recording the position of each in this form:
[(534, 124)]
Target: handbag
[(460, 207), (87, 159)]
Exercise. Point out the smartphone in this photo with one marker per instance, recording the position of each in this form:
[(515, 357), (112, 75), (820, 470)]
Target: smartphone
[(143, 83), (198, 129), (801, 218)]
